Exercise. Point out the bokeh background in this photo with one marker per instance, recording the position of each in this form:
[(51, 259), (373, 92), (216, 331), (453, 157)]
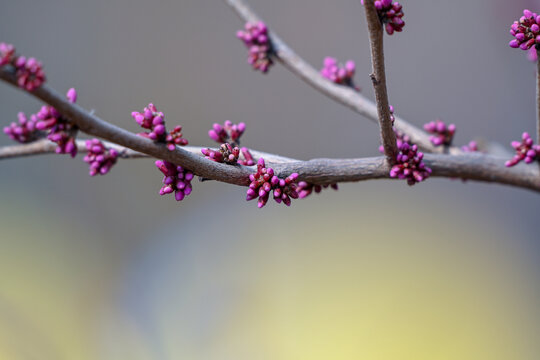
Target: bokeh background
[(104, 268)]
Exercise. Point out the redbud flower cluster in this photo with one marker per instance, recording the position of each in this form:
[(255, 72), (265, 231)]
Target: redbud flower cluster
[(472, 146), (390, 14), (248, 158), (154, 121), (228, 135), (526, 31), (337, 73), (60, 130), (305, 189), (100, 159), (264, 181), (29, 71), (442, 134), (226, 154), (255, 37), (409, 165), (526, 151), (176, 179), (175, 138), (25, 130), (7, 53), (228, 132)]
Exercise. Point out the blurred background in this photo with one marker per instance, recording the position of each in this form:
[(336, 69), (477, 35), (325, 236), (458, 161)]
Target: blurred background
[(105, 268)]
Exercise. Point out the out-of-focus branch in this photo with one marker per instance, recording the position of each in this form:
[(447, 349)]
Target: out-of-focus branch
[(378, 78)]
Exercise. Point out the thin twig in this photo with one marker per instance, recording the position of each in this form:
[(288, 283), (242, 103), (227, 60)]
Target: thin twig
[(341, 94), (44, 146), (328, 171), (378, 78), (93, 125), (478, 167)]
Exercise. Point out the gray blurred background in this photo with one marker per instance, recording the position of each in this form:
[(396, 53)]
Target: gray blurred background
[(106, 268)]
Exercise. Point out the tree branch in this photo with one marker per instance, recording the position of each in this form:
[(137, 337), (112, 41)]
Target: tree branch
[(473, 166), (93, 125), (44, 146), (342, 94), (378, 78)]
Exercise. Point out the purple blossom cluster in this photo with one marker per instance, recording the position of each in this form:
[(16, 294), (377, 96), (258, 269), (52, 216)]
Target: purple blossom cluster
[(176, 179), (526, 150), (25, 130), (61, 131), (228, 132), (153, 120), (174, 138), (338, 73), (100, 158), (29, 71), (526, 31), (248, 158), (442, 134), (264, 181), (409, 165), (47, 121), (255, 37), (226, 154), (391, 14), (228, 135), (7, 53), (30, 74), (472, 146), (305, 189), (532, 54)]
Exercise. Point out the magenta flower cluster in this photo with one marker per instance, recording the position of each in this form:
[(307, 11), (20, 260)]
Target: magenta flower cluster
[(153, 120), (409, 165), (228, 132), (442, 134), (226, 154), (47, 121), (7, 53), (61, 131), (25, 130), (176, 179), (338, 73), (264, 181), (526, 31), (305, 189), (29, 71), (391, 14), (526, 150), (248, 158), (100, 158), (228, 135), (255, 37), (174, 138), (472, 146)]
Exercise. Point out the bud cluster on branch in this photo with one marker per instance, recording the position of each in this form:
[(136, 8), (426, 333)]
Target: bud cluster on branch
[(283, 179)]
